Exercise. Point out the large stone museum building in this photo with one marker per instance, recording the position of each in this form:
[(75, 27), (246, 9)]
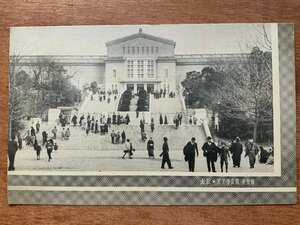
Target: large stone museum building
[(137, 61)]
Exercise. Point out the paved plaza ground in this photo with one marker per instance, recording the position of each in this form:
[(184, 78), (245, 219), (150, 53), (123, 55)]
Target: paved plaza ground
[(96, 153)]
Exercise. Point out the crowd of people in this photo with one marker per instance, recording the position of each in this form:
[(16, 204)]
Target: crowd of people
[(105, 96), (162, 93), (211, 151)]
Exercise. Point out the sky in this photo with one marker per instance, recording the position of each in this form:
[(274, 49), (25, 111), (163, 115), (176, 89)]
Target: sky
[(90, 40)]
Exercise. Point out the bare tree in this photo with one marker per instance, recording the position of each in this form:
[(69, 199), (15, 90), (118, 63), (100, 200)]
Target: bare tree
[(247, 91), (15, 106)]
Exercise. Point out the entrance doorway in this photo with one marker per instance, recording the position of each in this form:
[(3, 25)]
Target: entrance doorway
[(130, 87), (140, 87), (150, 88)]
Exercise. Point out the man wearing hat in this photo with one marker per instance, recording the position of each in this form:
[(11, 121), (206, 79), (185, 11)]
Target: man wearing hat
[(210, 151), (190, 151), (165, 155), (236, 150)]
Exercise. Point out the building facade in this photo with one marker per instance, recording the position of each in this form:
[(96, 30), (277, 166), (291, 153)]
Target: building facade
[(138, 61)]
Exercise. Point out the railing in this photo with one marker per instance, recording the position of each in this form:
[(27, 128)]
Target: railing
[(199, 56)]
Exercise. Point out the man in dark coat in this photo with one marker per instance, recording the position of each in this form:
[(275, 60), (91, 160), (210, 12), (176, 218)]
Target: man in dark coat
[(165, 155), (119, 119), (49, 147), (127, 119), (150, 148), (210, 152), (96, 127), (161, 119), (123, 136), (38, 150), (166, 119), (81, 119), (152, 127), (74, 120), (190, 151), (251, 152), (114, 118), (12, 149), (142, 126), (32, 131), (236, 150), (180, 118), (37, 126), (45, 136), (224, 156)]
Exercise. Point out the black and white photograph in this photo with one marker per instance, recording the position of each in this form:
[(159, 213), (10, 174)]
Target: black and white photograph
[(184, 101)]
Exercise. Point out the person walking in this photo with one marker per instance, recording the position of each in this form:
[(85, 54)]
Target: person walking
[(127, 119), (37, 126), (166, 119), (38, 150), (74, 120), (63, 134), (114, 119), (20, 141), (161, 119), (152, 127), (54, 132), (150, 148), (12, 149), (236, 150), (180, 118), (68, 134), (49, 147), (112, 135), (251, 152), (210, 152), (190, 151), (45, 136), (123, 136), (128, 149), (165, 155), (224, 156), (55, 147)]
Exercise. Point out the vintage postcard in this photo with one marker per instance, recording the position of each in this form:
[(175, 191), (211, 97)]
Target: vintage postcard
[(187, 114)]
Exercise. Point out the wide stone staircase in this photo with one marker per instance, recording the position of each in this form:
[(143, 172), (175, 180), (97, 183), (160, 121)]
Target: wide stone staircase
[(96, 107), (177, 138)]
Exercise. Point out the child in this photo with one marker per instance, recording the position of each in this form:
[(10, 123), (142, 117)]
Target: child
[(224, 156), (38, 150), (55, 147)]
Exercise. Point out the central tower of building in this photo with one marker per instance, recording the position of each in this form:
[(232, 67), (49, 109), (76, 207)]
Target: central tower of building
[(140, 61)]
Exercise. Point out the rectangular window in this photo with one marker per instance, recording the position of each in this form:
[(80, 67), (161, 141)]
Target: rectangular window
[(142, 50), (166, 73), (142, 69), (114, 73), (138, 68), (150, 68), (132, 50), (156, 49), (138, 50), (152, 50), (130, 68), (124, 49)]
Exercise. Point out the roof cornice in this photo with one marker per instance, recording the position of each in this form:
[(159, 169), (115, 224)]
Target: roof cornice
[(140, 34)]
